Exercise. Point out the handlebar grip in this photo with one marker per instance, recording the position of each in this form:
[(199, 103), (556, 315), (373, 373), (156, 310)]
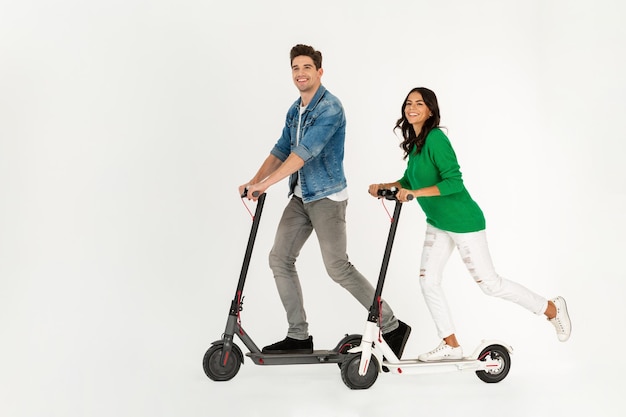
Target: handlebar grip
[(390, 194), (245, 193), (387, 192)]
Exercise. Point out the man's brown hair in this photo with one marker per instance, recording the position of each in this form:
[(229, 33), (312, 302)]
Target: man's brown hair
[(309, 51)]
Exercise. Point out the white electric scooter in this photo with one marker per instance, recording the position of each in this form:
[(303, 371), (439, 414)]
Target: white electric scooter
[(491, 359)]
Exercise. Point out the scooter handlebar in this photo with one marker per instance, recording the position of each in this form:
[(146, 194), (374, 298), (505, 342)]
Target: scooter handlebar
[(390, 194), (245, 193)]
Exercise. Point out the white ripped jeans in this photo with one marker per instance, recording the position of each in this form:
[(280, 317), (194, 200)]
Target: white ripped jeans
[(438, 246)]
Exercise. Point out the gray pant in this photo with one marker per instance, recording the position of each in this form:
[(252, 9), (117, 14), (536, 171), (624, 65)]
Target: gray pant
[(328, 219)]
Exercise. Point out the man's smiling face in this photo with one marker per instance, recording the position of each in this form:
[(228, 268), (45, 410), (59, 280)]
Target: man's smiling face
[(305, 76)]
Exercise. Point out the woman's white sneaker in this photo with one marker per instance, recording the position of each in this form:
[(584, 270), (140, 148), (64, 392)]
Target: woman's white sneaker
[(442, 352), (561, 321)]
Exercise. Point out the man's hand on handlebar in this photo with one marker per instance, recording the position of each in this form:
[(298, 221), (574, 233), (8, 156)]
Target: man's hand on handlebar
[(252, 191)]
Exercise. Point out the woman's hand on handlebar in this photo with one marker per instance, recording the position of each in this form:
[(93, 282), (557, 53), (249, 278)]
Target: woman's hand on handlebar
[(390, 192), (404, 195), (373, 189)]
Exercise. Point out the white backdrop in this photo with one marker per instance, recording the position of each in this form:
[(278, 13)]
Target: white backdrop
[(126, 127)]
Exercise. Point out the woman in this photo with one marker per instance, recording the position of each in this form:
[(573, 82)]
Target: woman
[(453, 218)]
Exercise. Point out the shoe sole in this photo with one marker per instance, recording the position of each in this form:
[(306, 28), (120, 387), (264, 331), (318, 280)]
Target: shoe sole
[(288, 352), (566, 311)]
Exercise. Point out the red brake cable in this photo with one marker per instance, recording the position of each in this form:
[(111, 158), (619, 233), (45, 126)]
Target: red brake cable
[(385, 207), (247, 208)]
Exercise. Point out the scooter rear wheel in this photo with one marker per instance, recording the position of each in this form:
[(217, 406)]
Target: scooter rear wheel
[(349, 344), (350, 372), (213, 367), (499, 354)]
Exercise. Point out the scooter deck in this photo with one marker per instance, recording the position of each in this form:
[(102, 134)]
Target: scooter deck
[(439, 362), (318, 356), (414, 366)]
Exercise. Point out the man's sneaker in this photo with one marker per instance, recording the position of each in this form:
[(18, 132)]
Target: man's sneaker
[(396, 339), (442, 352), (290, 345), (561, 322)]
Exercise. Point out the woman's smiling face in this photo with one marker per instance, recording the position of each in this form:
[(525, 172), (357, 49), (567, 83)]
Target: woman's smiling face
[(416, 111)]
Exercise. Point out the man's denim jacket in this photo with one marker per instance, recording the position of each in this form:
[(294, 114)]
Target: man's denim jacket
[(322, 137)]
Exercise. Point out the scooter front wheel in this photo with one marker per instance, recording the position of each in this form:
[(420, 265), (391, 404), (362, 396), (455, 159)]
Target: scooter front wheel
[(218, 371), (501, 359), (350, 372)]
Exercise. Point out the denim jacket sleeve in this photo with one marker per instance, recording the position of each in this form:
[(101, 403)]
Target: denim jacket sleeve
[(282, 148)]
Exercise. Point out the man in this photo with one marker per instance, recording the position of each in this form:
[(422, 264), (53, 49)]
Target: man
[(310, 152)]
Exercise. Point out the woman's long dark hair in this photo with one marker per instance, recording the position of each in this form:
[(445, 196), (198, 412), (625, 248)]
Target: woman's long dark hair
[(411, 139)]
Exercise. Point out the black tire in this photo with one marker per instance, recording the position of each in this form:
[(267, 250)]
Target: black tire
[(213, 367), (501, 355), (349, 344), (350, 372)]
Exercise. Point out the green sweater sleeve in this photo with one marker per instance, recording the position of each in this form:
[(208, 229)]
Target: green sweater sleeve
[(404, 182), (443, 157)]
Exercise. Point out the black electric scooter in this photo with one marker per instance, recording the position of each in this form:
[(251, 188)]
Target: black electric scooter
[(490, 360), (223, 359)]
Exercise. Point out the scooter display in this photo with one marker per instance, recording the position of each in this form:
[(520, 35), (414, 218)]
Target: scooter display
[(490, 360), (223, 359)]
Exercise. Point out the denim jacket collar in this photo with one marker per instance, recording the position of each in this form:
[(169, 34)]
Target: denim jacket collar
[(314, 100)]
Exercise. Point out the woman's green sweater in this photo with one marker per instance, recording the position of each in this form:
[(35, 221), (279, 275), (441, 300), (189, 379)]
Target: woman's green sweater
[(454, 210)]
